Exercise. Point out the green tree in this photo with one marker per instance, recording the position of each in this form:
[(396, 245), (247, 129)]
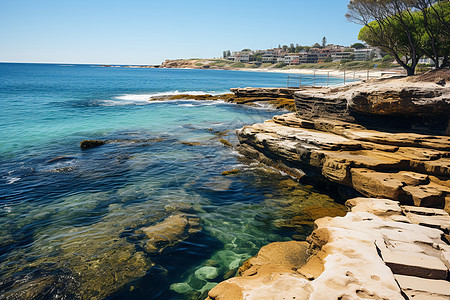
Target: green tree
[(406, 29), (324, 42), (358, 46), (387, 58), (435, 23), (389, 26), (291, 48)]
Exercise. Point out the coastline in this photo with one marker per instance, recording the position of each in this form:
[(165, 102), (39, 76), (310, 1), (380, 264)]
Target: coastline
[(406, 199), (359, 74)]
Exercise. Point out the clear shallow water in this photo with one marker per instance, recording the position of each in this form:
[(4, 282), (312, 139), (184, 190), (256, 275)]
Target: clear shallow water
[(72, 220)]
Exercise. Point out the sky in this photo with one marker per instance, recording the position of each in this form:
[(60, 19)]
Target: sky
[(148, 31)]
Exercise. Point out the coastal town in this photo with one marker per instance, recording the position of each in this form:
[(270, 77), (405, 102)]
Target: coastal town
[(295, 55)]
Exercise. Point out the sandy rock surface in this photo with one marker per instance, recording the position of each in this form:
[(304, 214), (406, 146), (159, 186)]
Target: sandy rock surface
[(411, 168), (377, 251)]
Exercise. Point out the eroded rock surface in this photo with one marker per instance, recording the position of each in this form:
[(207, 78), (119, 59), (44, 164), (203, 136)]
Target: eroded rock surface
[(409, 167), (393, 102), (377, 251), (281, 98)]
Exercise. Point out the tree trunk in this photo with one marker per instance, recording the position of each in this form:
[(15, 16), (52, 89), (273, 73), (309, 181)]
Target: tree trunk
[(409, 71)]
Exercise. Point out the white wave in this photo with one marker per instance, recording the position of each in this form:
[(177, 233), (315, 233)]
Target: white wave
[(116, 103), (146, 97)]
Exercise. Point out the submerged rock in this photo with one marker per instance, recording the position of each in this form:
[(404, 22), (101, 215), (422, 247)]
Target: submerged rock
[(88, 144), (207, 273), (230, 172), (170, 231)]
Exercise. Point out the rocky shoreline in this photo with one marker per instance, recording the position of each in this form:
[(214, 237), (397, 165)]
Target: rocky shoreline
[(394, 244), (379, 250)]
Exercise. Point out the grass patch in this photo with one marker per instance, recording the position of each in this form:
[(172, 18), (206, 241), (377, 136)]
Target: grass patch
[(237, 65), (279, 65)]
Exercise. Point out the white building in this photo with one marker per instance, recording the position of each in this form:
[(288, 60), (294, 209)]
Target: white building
[(340, 55)]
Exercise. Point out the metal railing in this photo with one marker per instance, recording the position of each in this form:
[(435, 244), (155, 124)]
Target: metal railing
[(329, 78)]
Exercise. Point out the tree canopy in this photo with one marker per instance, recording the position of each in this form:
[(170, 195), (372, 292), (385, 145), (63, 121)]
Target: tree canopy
[(406, 29), (357, 46)]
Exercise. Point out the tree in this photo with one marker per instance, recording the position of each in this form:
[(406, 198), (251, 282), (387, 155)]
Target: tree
[(358, 46), (404, 28), (324, 42), (291, 48), (435, 22), (389, 26), (316, 45)]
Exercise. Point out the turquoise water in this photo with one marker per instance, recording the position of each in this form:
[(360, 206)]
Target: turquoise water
[(73, 220)]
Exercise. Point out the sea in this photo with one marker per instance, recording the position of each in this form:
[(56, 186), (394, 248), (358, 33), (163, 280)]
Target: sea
[(78, 224)]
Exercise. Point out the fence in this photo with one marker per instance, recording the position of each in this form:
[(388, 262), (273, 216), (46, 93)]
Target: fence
[(327, 78)]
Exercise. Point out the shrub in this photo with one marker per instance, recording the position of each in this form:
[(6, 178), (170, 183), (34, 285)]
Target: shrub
[(387, 58), (280, 65)]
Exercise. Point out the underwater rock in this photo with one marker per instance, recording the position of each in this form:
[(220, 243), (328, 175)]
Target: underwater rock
[(39, 284), (88, 144), (225, 142), (207, 273), (170, 231), (229, 172), (181, 287), (61, 158), (191, 143)]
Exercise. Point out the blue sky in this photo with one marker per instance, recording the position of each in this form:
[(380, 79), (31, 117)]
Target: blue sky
[(148, 31)]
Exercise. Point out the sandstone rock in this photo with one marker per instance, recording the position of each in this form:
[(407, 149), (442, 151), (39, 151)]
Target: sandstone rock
[(376, 164), (426, 195), (292, 255), (264, 92), (426, 288), (379, 101), (424, 266), (346, 259), (379, 207)]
